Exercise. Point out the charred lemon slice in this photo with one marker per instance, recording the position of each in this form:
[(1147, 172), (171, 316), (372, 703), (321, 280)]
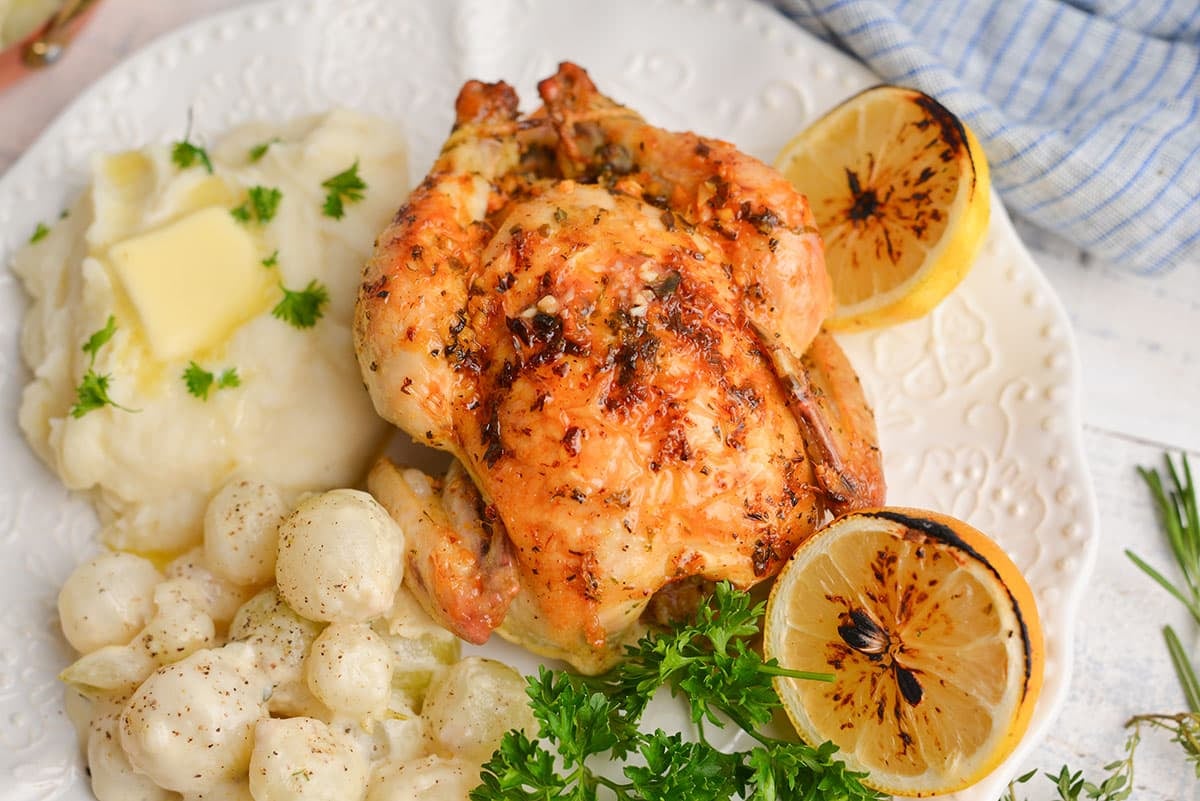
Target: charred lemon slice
[(934, 640), (900, 190)]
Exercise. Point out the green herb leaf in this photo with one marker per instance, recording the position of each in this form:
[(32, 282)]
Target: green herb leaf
[(228, 379), (198, 380), (687, 771), (260, 150), (185, 154), (711, 663), (302, 309), (39, 233), (261, 204), (92, 392), (522, 770), (345, 187), (100, 338), (272, 260), (580, 720)]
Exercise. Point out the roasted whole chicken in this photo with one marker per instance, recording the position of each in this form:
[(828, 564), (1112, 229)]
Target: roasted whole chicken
[(615, 330)]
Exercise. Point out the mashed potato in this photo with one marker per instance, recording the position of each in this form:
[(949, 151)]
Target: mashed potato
[(153, 245)]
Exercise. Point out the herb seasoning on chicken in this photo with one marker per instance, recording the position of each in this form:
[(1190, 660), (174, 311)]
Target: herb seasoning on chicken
[(615, 329)]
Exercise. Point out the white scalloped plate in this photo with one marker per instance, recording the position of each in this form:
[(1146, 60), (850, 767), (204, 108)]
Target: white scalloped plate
[(977, 404)]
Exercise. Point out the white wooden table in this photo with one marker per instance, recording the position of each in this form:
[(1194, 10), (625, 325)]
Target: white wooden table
[(1139, 344)]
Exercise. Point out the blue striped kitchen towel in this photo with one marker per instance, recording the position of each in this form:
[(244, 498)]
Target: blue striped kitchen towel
[(1089, 110)]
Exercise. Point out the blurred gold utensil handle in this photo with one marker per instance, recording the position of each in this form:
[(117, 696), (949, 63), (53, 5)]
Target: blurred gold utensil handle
[(49, 44)]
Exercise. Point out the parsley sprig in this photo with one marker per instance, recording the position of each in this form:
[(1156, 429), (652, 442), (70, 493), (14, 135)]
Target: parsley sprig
[(92, 392), (200, 381), (260, 205), (345, 187), (186, 153), (302, 308), (710, 662)]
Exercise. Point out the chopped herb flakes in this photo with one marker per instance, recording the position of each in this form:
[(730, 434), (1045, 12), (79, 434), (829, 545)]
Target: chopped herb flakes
[(39, 233), (345, 187), (272, 260)]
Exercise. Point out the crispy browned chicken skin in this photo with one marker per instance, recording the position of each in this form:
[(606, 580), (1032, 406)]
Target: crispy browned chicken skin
[(615, 331)]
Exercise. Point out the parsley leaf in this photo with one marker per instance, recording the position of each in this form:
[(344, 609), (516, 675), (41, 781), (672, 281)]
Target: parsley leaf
[(786, 770), (521, 770), (92, 392), (261, 204), (260, 150), (710, 661), (185, 154), (580, 720), (344, 187), (302, 309), (228, 379), (101, 338), (272, 260), (687, 771), (200, 381), (39, 233)]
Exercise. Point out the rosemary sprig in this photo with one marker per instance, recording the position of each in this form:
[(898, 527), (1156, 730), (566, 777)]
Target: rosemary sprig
[(1177, 510), (1183, 669)]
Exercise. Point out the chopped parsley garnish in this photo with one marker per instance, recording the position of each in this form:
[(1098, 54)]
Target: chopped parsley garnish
[(185, 155), (39, 233), (345, 187), (302, 309), (199, 381), (261, 204), (272, 260), (260, 150), (92, 392)]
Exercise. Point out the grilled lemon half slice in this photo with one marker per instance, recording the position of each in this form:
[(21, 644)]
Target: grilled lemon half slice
[(933, 637), (900, 190)]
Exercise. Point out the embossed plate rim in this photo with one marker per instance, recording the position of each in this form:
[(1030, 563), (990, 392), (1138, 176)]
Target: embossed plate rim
[(41, 180)]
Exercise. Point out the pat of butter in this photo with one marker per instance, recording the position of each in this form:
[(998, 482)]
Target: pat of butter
[(191, 282)]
